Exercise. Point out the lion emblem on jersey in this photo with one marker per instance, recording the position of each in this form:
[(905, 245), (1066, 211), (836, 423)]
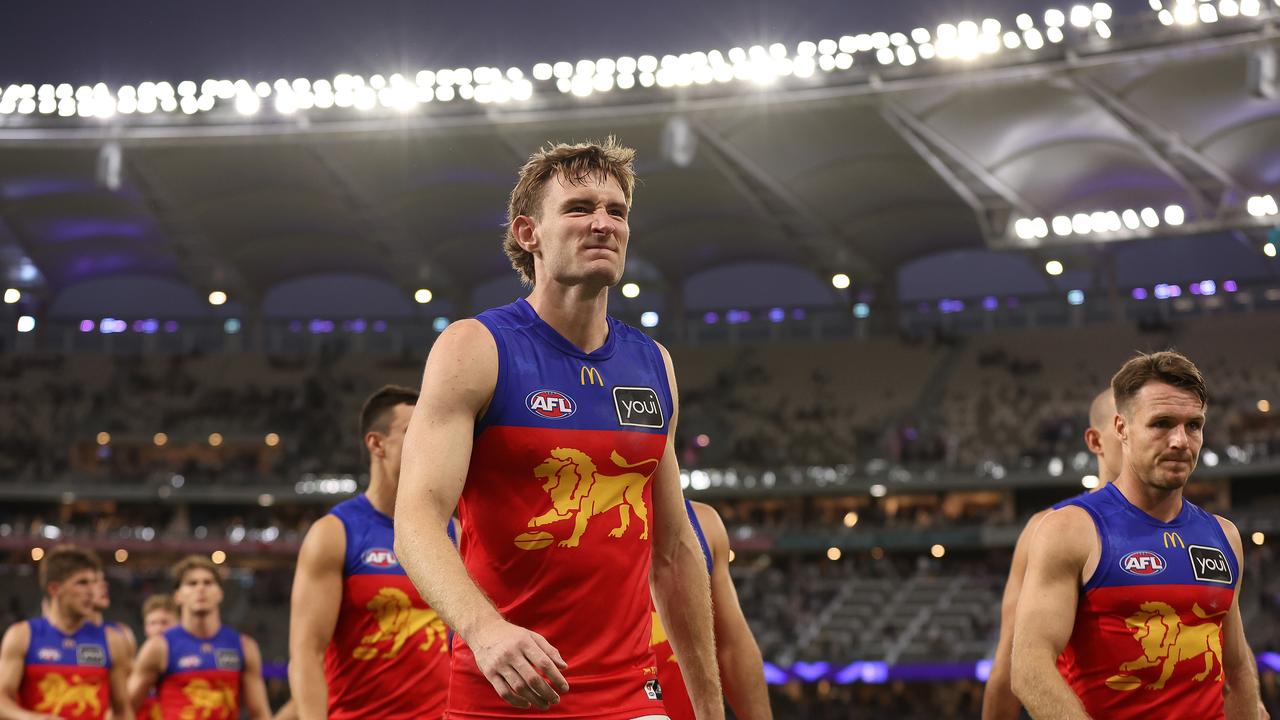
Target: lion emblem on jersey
[(208, 701), (579, 492), (1167, 641), (56, 694), (398, 620)]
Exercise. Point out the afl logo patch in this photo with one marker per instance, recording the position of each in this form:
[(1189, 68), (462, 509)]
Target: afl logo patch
[(48, 654), (550, 404), (379, 558), (1142, 562)]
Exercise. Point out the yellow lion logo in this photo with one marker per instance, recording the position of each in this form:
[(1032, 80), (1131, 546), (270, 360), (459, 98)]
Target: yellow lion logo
[(577, 491), (398, 620), (1167, 641), (56, 693), (207, 700)]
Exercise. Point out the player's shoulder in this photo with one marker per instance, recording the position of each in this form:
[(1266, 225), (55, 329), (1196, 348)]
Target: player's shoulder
[(1068, 529), (18, 632), (707, 515), (326, 538), (1231, 531)]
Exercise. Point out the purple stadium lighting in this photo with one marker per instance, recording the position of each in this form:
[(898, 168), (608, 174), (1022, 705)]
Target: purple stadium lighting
[(1208, 287), (798, 314), (1230, 286), (171, 326), (379, 326), (990, 303), (810, 672), (737, 317), (711, 318), (950, 306), (777, 315), (1139, 293), (320, 327), (86, 326), (1194, 288)]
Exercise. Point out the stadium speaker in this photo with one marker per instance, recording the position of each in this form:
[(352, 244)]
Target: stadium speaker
[(1261, 75), (679, 142), (110, 163)]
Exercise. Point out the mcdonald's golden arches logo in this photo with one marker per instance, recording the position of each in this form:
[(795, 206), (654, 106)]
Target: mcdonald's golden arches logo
[(1173, 539), (590, 376)]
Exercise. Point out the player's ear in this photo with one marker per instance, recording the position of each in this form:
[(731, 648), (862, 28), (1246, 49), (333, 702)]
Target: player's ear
[(522, 228), (1122, 428), (1093, 441), (373, 443)]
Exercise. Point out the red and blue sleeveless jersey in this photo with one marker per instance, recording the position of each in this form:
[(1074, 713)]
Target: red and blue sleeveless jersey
[(202, 678), (675, 696), (388, 657), (1148, 631), (556, 512), (66, 675)]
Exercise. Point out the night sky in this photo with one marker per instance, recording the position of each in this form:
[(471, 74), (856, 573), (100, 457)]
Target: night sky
[(129, 41)]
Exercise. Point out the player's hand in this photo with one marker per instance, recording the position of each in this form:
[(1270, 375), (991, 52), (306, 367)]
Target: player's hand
[(520, 665)]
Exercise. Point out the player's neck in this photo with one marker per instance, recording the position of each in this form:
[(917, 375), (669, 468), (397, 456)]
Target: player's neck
[(1163, 505), (579, 313), (63, 620), (202, 625), (382, 491)]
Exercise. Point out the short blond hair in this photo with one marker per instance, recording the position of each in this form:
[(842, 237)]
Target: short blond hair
[(159, 602), (576, 164)]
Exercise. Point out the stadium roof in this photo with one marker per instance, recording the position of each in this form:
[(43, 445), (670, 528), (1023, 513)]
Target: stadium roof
[(864, 172)]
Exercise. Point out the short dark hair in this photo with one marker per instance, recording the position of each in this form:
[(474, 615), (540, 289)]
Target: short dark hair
[(1167, 367), (64, 561), (375, 414), (191, 563)]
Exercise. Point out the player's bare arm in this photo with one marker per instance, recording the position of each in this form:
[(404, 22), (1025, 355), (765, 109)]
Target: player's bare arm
[(681, 588), (150, 664), (1238, 663), (118, 644), (457, 385), (737, 653), (252, 688), (998, 700), (314, 608), (13, 652), (1061, 547)]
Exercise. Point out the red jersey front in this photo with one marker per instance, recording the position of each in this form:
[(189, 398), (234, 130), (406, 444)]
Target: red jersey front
[(388, 658), (202, 678), (556, 513), (66, 675), (1147, 641)]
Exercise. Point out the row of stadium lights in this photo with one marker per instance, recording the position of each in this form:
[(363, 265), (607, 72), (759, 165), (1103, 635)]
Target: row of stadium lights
[(161, 439), (1099, 222), (218, 557), (964, 41)]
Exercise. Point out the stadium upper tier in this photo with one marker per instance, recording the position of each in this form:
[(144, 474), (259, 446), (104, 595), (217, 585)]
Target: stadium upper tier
[(987, 407), (1019, 145)]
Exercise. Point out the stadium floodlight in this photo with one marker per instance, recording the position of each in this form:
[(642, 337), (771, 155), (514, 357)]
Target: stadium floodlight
[(1012, 40), (906, 56), (1081, 224), (1053, 267), (247, 103), (1131, 220), (1054, 34), (631, 290), (1228, 8), (921, 35), (1090, 481), (1103, 30), (1166, 17), (1149, 217), (1102, 11), (884, 56), (927, 51), (1208, 14), (1024, 228), (1062, 225), (844, 61), (217, 297), (1269, 249), (12, 296), (1034, 39), (1024, 22), (1081, 16), (26, 324), (649, 319), (1174, 215), (1185, 13), (1054, 17), (840, 281)]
